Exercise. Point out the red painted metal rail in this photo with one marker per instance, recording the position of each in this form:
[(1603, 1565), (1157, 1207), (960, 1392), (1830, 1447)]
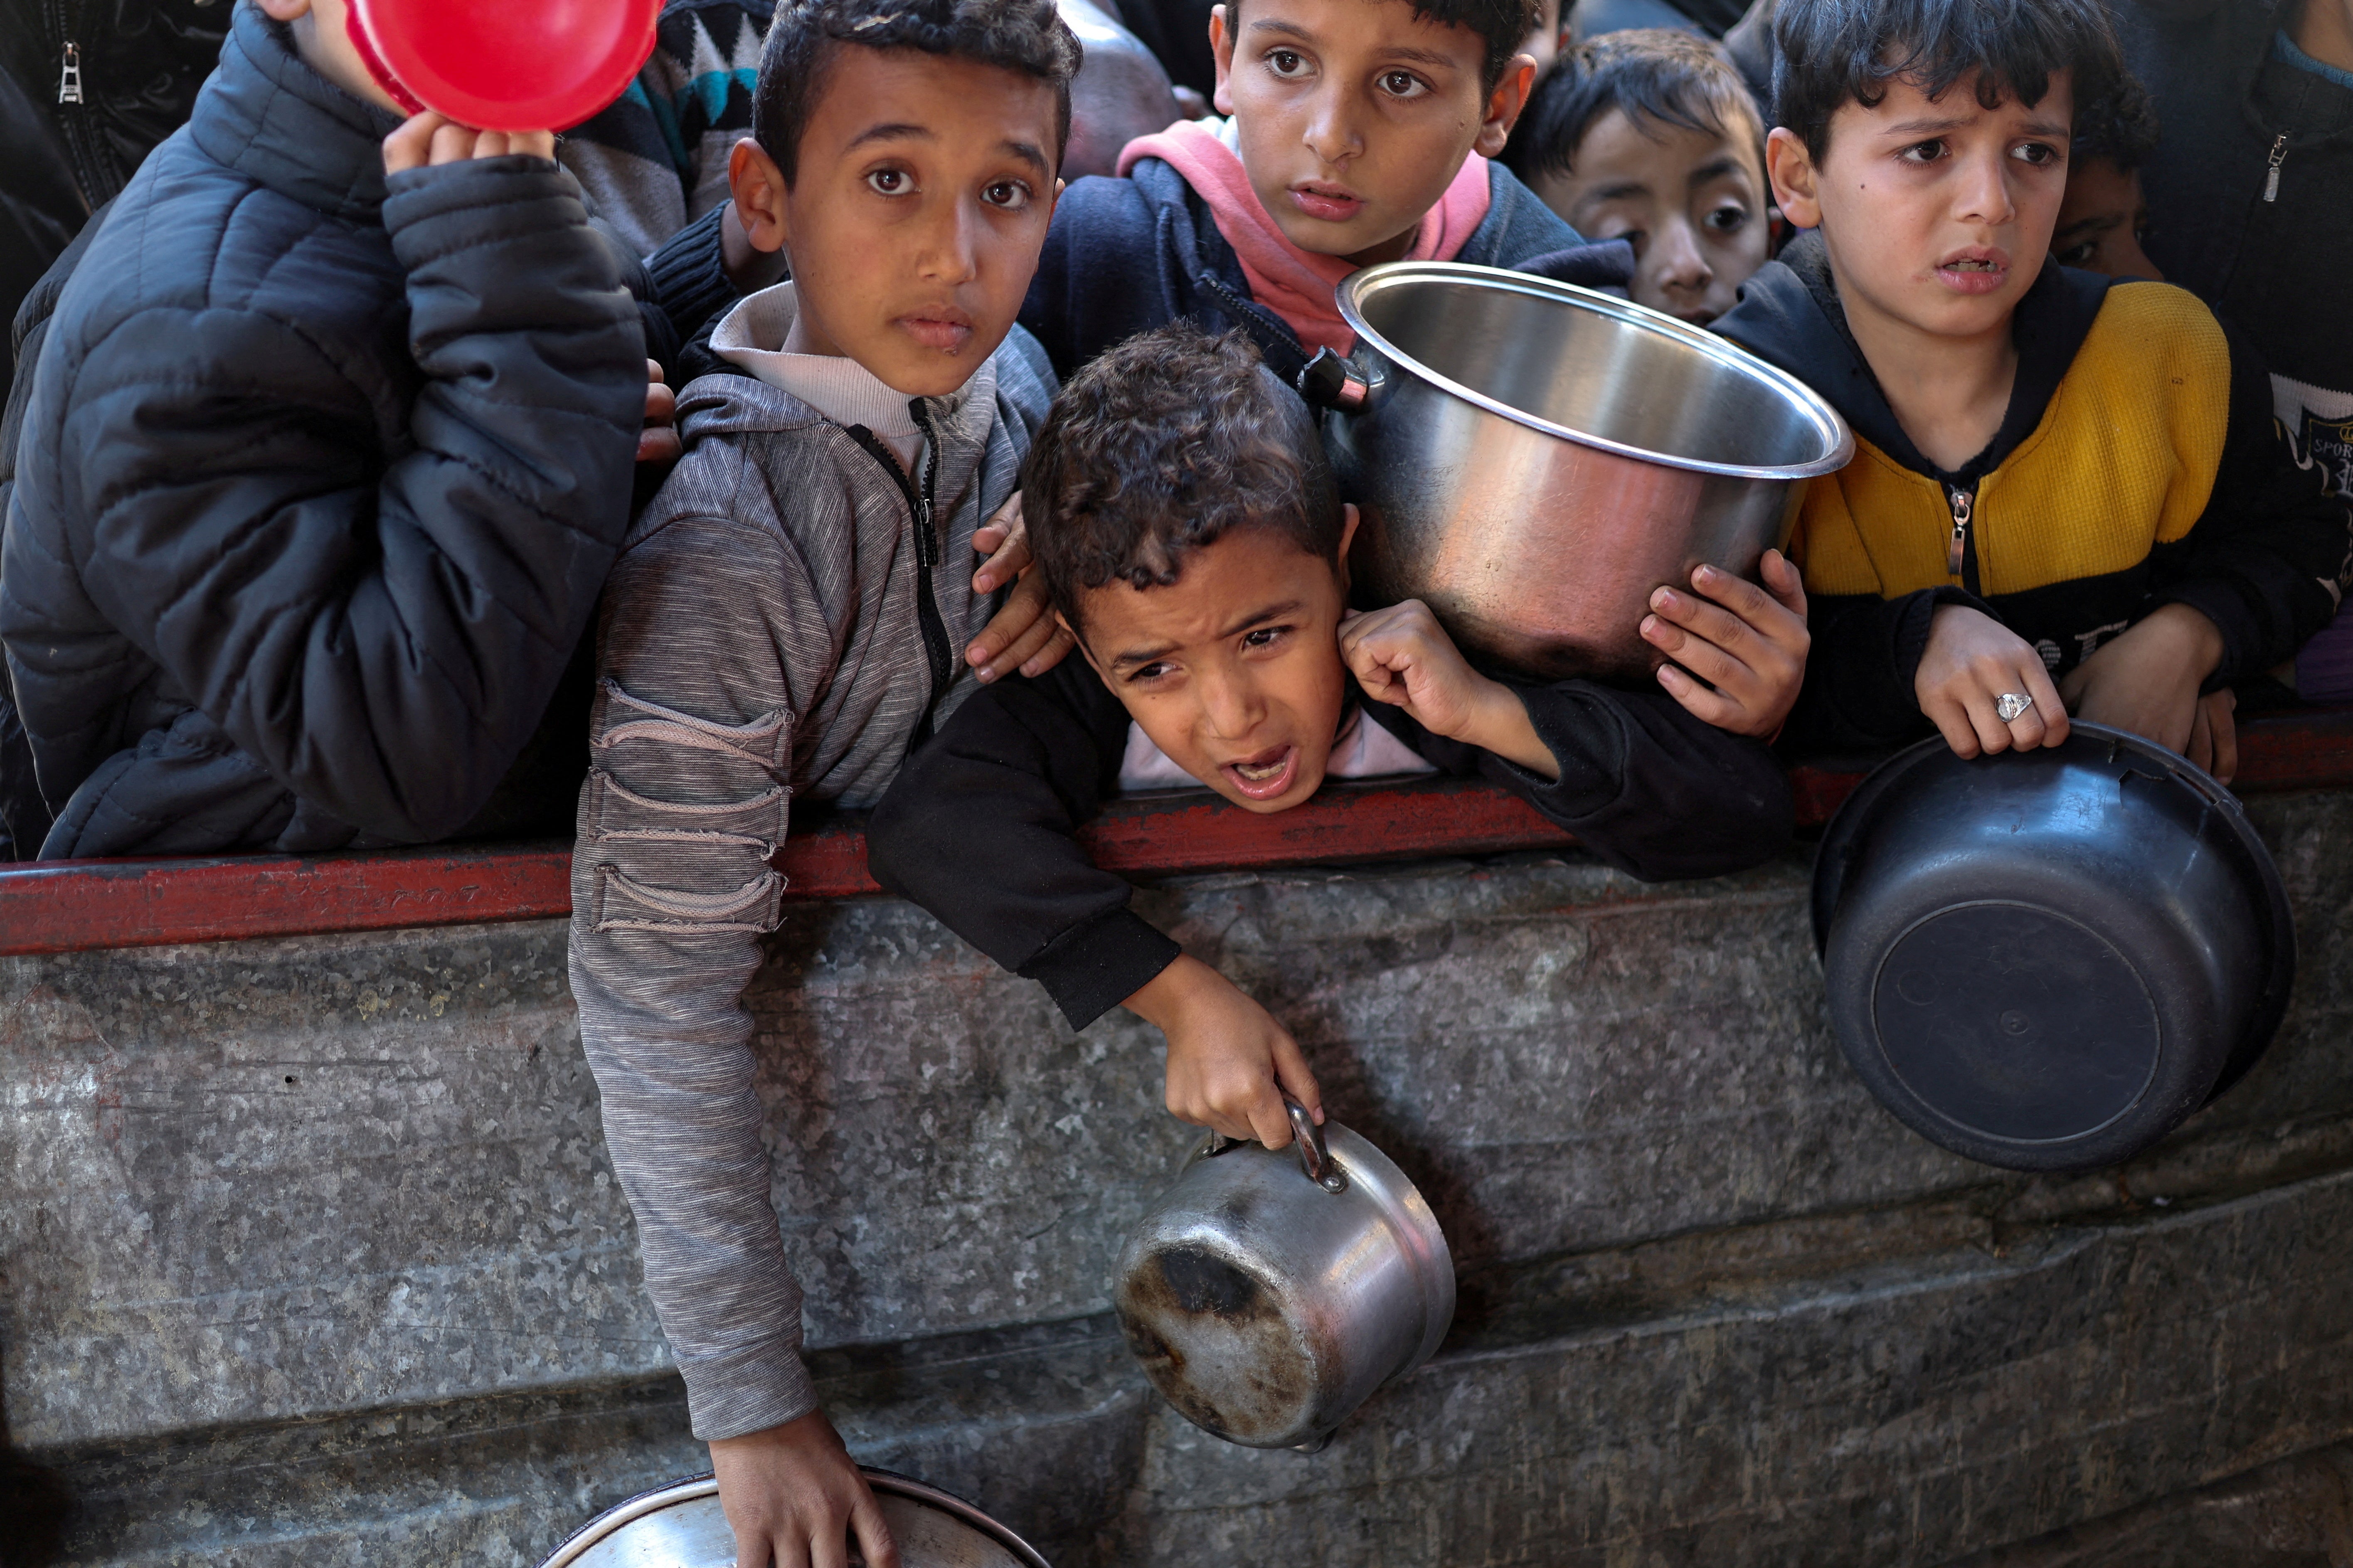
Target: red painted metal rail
[(65, 906)]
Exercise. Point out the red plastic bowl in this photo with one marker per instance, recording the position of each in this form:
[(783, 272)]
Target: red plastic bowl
[(505, 64)]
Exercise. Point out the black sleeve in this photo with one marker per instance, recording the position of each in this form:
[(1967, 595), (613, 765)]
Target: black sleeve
[(979, 828), (1644, 785), (1858, 695), (690, 275), (2268, 559)]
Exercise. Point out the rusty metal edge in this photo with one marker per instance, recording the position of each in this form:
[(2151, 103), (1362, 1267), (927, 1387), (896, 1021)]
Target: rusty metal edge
[(68, 906)]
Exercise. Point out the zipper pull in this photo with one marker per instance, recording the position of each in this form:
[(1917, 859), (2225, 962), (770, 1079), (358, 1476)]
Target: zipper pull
[(1961, 501), (927, 548), (70, 78), (2279, 156)]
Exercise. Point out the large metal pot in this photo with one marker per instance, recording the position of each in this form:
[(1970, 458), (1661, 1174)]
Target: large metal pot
[(1267, 1295), (681, 1526), (2045, 960), (1533, 458)]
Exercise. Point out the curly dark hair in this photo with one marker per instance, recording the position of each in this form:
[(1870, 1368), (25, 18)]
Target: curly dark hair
[(2120, 125), (1504, 25), (1166, 443), (1826, 52), (1026, 36), (1659, 74)]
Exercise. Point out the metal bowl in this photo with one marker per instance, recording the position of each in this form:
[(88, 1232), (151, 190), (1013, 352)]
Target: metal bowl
[(681, 1526), (1268, 1294), (2045, 960), (1533, 458)]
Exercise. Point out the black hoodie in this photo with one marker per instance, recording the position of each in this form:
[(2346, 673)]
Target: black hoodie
[(2275, 260), (2137, 465)]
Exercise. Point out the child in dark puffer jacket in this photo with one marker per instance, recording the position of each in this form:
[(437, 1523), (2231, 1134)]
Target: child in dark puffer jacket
[(327, 452)]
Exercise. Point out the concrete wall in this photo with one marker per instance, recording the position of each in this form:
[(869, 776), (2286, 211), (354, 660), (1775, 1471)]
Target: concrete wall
[(309, 1253)]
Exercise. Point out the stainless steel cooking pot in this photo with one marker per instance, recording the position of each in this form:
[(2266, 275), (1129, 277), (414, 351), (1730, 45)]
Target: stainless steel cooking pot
[(2045, 960), (1268, 1294), (1533, 458), (681, 1526)]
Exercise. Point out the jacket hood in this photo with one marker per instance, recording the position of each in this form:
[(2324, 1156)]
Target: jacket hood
[(737, 404), (281, 124), (1789, 315)]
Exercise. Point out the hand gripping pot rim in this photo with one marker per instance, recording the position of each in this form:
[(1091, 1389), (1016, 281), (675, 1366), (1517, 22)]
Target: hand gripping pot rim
[(470, 60)]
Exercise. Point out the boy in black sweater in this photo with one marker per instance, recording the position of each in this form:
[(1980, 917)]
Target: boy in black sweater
[(1193, 541)]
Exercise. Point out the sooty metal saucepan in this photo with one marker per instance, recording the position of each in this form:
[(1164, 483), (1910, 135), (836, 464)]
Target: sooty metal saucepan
[(1533, 458), (2045, 960), (1268, 1293)]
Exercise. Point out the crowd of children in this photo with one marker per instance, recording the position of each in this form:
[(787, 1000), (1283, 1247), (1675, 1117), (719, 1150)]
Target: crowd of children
[(329, 438)]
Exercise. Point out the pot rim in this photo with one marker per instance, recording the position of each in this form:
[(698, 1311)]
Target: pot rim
[(1826, 420), (688, 1488)]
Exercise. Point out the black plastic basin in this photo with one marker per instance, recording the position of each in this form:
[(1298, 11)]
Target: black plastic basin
[(2045, 960)]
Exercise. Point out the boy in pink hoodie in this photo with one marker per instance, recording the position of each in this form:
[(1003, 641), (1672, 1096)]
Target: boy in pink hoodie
[(1354, 132)]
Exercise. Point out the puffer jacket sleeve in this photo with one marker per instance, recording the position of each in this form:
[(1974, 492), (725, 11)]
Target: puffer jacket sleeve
[(714, 647), (381, 635)]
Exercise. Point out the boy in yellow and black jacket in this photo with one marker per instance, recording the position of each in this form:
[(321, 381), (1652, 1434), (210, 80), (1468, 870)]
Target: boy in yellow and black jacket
[(2111, 476)]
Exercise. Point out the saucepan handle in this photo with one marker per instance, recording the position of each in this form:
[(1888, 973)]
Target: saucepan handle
[(1335, 381), (1307, 1138)]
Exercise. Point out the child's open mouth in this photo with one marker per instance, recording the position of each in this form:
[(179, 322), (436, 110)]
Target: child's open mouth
[(1267, 774), (1974, 271), (944, 331), (1334, 204)]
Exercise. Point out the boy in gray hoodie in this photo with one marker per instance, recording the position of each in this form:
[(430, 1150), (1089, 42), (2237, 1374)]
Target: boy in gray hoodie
[(785, 620)]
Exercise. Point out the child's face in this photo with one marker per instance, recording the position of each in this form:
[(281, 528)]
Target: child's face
[(1693, 201), (1234, 669), (1355, 115), (1937, 213), (323, 40), (921, 198), (2102, 219)]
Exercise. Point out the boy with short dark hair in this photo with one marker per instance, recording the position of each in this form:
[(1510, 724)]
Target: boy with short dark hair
[(1193, 539), (325, 455), (1650, 136), (1356, 131), (2104, 216), (781, 626), (2067, 495)]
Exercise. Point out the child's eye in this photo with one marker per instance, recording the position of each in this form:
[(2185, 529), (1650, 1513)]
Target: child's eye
[(2078, 254), (1402, 84), (1924, 151), (1729, 218), (1145, 674), (1010, 194), (2036, 153), (1285, 62), (891, 181), (1264, 637)]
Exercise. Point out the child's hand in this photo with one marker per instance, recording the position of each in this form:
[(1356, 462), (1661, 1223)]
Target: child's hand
[(432, 140), (1973, 662), (2146, 680), (1230, 1064), (1402, 657), (657, 442), (1025, 634), (1751, 649), (792, 1495)]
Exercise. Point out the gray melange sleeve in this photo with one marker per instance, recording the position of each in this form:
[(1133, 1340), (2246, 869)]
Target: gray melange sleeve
[(688, 783)]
